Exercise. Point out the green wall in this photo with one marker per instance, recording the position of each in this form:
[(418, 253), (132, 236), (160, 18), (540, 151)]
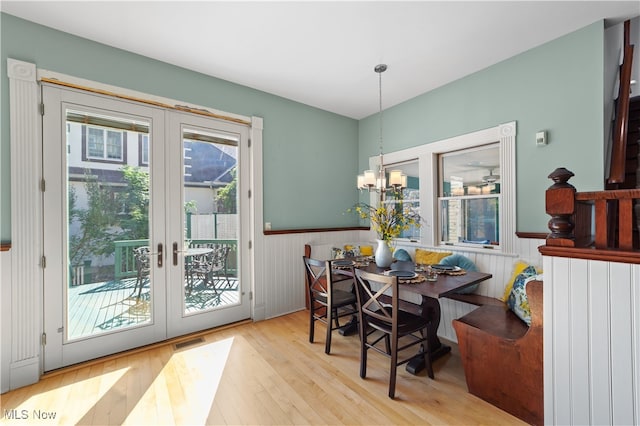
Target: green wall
[(304, 147), (557, 87)]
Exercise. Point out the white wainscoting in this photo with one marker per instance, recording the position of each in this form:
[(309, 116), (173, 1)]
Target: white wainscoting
[(280, 285), (591, 342), (5, 320), (283, 273)]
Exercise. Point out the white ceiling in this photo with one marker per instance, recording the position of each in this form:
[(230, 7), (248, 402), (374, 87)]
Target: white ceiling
[(323, 53)]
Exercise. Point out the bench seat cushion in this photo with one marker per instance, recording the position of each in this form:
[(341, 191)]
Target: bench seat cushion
[(499, 321)]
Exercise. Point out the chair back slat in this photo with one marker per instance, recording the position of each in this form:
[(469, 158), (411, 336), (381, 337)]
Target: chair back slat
[(316, 271), (375, 303)]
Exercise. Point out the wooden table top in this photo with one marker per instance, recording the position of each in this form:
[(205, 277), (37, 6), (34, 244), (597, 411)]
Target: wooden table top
[(445, 285)]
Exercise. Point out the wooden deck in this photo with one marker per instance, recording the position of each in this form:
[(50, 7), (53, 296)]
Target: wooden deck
[(99, 307)]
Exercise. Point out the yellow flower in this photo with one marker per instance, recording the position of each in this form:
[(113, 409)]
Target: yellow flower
[(388, 221)]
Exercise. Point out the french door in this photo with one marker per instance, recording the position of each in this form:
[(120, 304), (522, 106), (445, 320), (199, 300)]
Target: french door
[(143, 221)]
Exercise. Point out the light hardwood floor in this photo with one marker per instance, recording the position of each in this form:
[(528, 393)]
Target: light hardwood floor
[(254, 373)]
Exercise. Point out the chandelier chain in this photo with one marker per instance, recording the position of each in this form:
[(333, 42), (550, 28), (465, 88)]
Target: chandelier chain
[(380, 100)]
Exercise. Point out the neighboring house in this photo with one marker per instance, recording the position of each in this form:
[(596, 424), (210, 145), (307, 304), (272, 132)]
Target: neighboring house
[(100, 152), (207, 166)]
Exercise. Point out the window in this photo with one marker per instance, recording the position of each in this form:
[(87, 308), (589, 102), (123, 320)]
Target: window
[(409, 198), (469, 197), (143, 146), (104, 144), (477, 213)]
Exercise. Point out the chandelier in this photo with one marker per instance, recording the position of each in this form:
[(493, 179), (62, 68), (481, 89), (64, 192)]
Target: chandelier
[(368, 179)]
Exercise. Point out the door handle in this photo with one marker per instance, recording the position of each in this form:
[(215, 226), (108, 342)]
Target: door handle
[(175, 254), (160, 255)]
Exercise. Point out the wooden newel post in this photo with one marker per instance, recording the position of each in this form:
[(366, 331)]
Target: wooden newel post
[(561, 205)]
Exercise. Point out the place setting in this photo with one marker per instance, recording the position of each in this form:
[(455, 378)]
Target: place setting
[(448, 269), (359, 262), (408, 277)]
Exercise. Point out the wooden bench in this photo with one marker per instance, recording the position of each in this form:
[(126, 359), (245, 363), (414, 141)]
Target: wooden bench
[(502, 357), (475, 299)]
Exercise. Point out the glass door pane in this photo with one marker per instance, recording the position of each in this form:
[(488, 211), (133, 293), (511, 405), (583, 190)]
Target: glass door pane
[(108, 250), (211, 220)]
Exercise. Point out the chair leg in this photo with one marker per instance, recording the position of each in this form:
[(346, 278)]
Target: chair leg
[(394, 369), (427, 358), (327, 344), (189, 278), (139, 284), (311, 320), (140, 287), (135, 287), (226, 276), (210, 280), (363, 352), (336, 319)]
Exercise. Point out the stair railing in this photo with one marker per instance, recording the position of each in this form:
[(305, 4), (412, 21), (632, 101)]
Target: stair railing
[(618, 150), (579, 222)]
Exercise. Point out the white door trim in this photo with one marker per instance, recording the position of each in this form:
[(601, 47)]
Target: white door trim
[(25, 289), (26, 227)]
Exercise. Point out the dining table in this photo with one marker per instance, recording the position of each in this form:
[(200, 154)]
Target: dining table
[(447, 284)]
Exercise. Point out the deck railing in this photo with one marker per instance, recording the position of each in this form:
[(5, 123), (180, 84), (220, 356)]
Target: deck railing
[(598, 225), (125, 266)]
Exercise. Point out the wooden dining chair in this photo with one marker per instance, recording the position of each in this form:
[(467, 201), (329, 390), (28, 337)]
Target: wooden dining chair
[(381, 319), (326, 302)]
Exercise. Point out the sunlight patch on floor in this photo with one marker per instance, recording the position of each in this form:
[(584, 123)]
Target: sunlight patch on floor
[(37, 408), (187, 385)]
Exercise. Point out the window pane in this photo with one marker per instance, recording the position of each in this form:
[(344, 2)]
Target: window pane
[(468, 207), (95, 142), (114, 145), (145, 149), (470, 220), (409, 198), (471, 172)]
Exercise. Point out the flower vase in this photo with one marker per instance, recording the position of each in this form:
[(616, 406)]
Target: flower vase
[(383, 255)]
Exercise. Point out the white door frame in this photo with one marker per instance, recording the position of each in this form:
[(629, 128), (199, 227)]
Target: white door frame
[(22, 344)]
